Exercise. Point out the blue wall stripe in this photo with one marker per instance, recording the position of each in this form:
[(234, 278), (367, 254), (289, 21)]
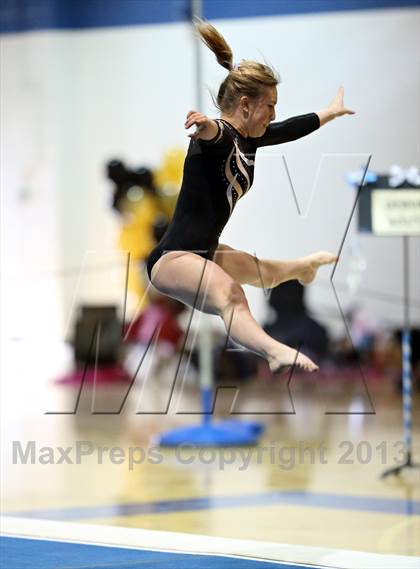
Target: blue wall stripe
[(29, 15), (18, 553), (295, 498), (252, 8)]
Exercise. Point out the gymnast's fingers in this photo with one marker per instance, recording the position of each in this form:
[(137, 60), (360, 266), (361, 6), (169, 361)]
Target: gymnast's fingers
[(192, 119)]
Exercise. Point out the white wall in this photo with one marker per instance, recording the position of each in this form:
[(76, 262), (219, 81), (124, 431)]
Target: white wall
[(375, 56), (29, 187), (72, 100)]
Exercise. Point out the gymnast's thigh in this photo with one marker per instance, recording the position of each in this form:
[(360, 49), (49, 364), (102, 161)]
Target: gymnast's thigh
[(192, 279), (239, 265)]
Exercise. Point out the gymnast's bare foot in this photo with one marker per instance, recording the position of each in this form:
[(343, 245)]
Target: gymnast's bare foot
[(287, 357), (311, 264)]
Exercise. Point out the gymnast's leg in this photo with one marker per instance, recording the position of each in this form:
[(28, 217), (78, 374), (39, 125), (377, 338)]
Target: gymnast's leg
[(203, 284), (248, 269)]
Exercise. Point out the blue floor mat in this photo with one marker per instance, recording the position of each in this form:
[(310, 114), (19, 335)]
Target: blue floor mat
[(20, 553)]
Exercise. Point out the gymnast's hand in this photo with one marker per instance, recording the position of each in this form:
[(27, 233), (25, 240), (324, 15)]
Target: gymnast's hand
[(206, 128), (335, 109), (337, 104)]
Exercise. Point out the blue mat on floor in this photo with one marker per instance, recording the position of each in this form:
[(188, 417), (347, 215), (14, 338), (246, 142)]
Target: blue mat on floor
[(20, 553)]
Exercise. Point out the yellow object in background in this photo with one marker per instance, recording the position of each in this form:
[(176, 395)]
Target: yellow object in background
[(141, 208), (137, 238), (168, 178), (137, 231)]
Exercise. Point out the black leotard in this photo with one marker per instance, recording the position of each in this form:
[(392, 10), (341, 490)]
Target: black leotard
[(217, 173)]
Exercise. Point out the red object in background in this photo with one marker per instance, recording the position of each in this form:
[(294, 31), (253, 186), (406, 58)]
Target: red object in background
[(159, 316)]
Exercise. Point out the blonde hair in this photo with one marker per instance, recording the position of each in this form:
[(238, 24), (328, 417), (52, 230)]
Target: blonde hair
[(247, 78)]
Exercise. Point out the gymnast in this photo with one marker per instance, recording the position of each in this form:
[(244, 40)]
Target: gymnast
[(189, 264)]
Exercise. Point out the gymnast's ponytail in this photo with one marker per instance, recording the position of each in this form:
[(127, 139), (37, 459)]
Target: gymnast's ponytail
[(216, 42), (246, 78)]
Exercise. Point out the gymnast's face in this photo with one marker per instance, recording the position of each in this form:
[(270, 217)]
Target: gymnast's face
[(258, 113)]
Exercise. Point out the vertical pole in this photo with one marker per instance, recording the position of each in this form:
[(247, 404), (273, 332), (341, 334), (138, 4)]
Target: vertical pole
[(197, 10), (205, 338), (406, 355), (206, 368)]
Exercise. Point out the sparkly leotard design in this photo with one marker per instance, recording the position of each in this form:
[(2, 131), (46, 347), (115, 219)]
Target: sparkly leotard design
[(217, 173)]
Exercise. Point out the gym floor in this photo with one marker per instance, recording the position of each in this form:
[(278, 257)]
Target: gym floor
[(314, 480)]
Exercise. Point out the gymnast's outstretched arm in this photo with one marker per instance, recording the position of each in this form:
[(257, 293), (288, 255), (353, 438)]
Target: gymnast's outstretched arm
[(302, 125)]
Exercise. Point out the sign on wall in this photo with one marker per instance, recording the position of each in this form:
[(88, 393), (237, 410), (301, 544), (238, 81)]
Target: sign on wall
[(388, 211), (396, 212)]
